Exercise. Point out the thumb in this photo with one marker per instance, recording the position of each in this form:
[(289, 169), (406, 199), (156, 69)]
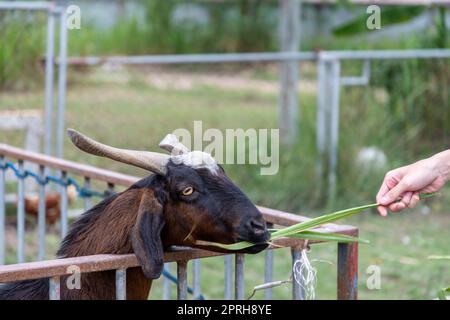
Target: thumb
[(394, 193)]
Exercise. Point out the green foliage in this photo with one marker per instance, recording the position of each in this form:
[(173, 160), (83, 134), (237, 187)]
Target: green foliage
[(237, 26), (419, 97), (21, 46), (232, 26), (441, 28)]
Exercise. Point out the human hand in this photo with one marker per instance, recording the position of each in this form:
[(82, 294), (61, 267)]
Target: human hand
[(425, 176)]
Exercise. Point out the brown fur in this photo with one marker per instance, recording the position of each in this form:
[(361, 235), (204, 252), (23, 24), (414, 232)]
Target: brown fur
[(105, 236)]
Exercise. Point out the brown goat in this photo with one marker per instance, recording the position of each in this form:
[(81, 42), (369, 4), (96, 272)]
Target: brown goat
[(184, 201)]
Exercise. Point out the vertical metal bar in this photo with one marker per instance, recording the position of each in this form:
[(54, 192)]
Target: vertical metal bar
[(111, 188), (347, 273), (321, 130), (288, 98), (64, 215), (166, 283), (54, 288), (62, 77), (366, 71), (87, 200), (182, 280), (196, 278), (41, 216), (239, 277), (297, 290), (334, 129), (2, 213), (21, 216), (228, 275), (268, 273), (49, 62), (121, 284), (268, 269)]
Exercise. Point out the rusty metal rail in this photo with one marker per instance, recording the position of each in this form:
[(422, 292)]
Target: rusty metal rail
[(54, 269)]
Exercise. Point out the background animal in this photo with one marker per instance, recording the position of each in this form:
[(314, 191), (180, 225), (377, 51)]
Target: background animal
[(188, 198), (52, 204)]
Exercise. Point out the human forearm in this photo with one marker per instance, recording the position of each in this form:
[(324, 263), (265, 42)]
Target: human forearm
[(441, 162), (424, 176)]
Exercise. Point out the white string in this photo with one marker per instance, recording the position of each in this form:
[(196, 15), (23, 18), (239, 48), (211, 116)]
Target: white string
[(305, 275)]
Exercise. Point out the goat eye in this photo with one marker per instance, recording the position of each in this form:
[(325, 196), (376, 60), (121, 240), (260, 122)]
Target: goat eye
[(187, 191)]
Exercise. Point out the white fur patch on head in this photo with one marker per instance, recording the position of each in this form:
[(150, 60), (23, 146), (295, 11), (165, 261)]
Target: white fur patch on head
[(197, 160)]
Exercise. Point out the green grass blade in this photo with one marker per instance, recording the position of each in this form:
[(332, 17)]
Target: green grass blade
[(234, 246), (320, 220), (424, 196), (285, 232)]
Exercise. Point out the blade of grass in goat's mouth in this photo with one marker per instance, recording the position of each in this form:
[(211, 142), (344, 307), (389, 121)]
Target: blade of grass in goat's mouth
[(303, 230)]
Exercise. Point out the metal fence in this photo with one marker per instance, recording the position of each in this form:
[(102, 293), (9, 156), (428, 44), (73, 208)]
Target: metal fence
[(83, 177), (54, 13)]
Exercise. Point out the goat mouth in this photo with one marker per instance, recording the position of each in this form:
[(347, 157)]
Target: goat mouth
[(258, 244), (256, 248)]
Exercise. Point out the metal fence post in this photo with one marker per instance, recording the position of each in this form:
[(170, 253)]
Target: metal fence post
[(166, 283), (49, 63), (321, 121), (239, 276), (347, 281), (182, 280), (228, 274), (21, 215), (196, 278), (297, 290), (334, 128), (268, 269), (121, 284), (54, 288), (289, 42), (328, 105), (88, 199), (64, 206), (62, 82), (41, 215)]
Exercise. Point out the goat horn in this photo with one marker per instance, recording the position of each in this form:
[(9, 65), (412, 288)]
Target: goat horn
[(152, 161), (171, 144)]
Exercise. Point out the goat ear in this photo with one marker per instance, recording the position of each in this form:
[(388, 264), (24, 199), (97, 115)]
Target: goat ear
[(146, 236)]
